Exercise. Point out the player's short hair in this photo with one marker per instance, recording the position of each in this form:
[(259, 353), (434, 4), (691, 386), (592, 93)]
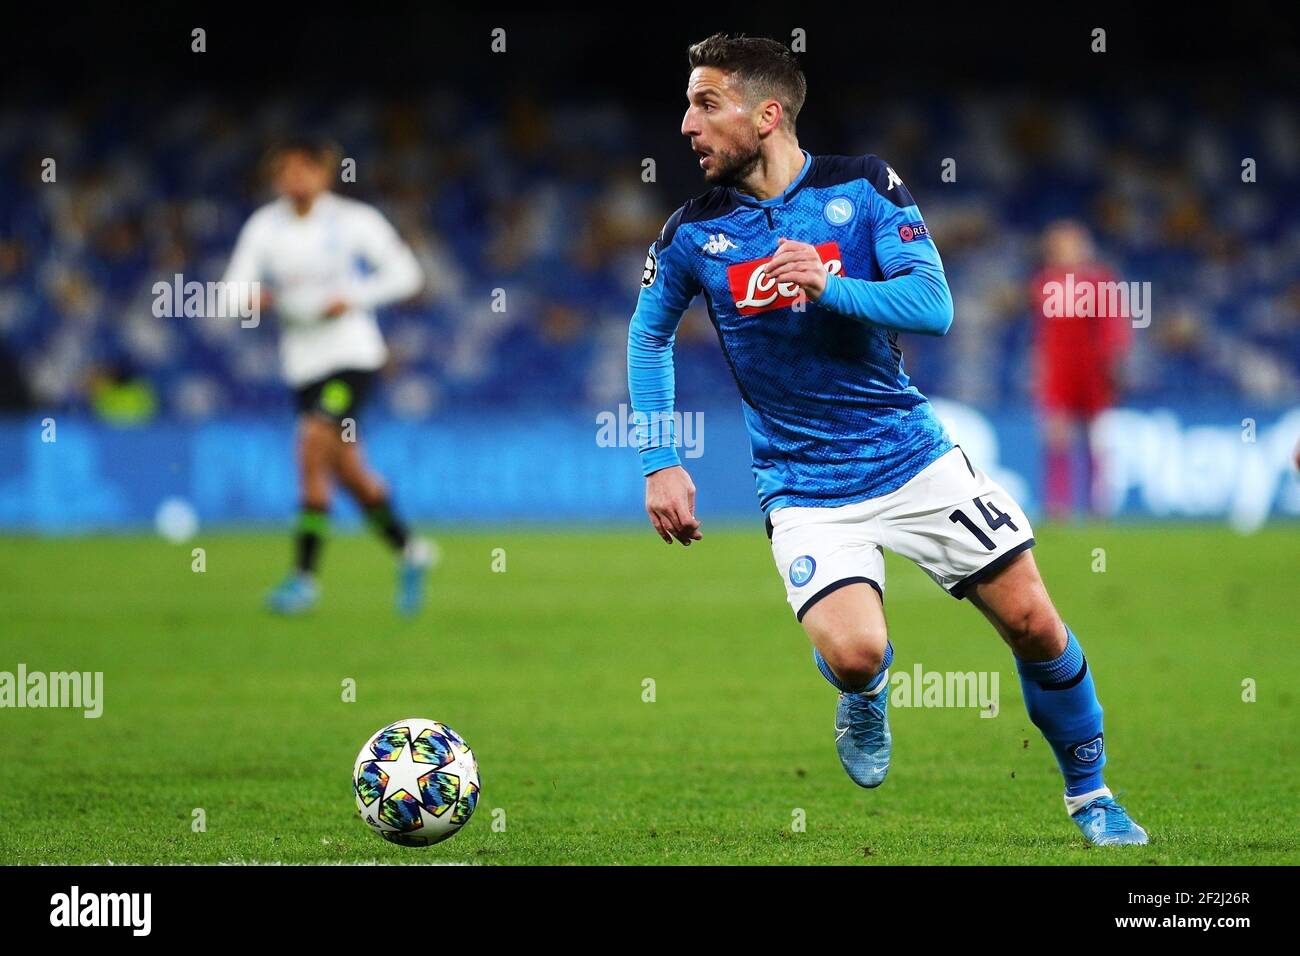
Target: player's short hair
[(765, 67), (320, 149)]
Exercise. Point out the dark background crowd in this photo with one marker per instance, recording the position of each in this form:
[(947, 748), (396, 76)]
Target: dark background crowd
[(525, 171)]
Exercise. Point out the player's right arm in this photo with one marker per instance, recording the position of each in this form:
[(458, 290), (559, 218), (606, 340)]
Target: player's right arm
[(914, 294), (667, 287), (244, 271)]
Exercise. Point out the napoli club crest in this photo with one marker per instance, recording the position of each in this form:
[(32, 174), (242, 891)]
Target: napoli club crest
[(1089, 752), (838, 211), (801, 570)]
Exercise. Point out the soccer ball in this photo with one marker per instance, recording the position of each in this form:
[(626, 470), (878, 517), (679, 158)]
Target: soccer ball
[(416, 782)]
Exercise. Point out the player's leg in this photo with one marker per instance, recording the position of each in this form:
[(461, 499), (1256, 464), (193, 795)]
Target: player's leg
[(315, 437), (834, 574), (416, 554), (851, 649), (1098, 401), (1097, 397), (1059, 692), (370, 493), (849, 637), (299, 592), (349, 466), (1058, 440), (973, 539), (1092, 474)]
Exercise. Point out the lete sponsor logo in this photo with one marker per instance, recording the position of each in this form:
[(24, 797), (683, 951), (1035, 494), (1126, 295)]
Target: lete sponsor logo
[(754, 292)]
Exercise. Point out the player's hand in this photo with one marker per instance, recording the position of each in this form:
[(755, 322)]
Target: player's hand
[(670, 503), (336, 308), (799, 263)]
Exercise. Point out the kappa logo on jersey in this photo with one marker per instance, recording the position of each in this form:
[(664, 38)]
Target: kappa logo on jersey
[(893, 178), (802, 569), (1091, 751), (912, 230), (651, 269), (718, 244), (838, 211), (754, 292)]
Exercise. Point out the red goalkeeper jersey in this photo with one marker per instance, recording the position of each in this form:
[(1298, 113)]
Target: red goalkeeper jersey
[(1082, 333)]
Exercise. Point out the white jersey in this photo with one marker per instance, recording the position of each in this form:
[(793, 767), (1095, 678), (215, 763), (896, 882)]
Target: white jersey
[(308, 262)]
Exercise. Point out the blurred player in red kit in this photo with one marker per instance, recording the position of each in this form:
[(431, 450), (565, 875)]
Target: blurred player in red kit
[(1082, 336)]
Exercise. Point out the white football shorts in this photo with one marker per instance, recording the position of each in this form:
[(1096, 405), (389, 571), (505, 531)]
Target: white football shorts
[(954, 521)]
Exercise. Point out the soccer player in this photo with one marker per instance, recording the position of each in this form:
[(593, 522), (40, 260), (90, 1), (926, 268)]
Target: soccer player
[(1078, 356), (304, 250), (811, 268)]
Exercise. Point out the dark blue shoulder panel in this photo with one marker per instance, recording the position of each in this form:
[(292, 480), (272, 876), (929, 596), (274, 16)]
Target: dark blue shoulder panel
[(714, 204), (837, 170), (887, 183)]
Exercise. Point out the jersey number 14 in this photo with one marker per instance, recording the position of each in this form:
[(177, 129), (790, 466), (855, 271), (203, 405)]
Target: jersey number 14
[(992, 517)]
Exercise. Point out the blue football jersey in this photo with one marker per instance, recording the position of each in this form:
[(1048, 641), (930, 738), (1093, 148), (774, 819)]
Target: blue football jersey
[(832, 417)]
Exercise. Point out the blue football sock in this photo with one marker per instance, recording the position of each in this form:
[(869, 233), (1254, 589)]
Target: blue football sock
[(870, 685), (1062, 703)]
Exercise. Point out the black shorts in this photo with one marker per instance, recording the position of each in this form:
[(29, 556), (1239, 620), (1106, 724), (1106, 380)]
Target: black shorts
[(337, 396)]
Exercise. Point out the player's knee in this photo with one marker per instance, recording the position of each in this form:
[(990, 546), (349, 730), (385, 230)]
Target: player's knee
[(315, 471), (857, 657), (315, 481), (1035, 631), (313, 451)]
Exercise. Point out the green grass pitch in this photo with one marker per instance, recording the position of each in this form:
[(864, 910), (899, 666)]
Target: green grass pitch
[(210, 703)]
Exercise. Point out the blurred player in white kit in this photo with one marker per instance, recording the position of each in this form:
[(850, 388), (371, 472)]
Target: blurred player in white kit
[(323, 263)]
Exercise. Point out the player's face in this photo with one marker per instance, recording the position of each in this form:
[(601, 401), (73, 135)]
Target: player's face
[(722, 127), (299, 177), (1067, 244)]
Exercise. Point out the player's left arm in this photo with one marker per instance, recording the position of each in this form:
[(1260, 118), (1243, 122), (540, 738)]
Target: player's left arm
[(912, 297), (396, 271)]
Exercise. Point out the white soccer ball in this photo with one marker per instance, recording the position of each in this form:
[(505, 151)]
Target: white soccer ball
[(416, 782), (176, 520)]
